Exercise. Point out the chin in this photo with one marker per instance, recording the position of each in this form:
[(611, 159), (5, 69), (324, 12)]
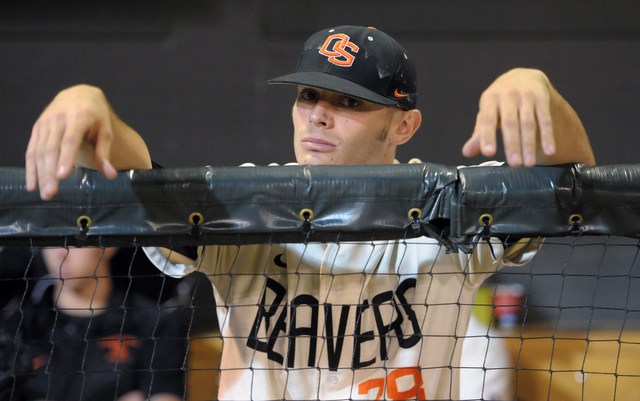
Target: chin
[(314, 160)]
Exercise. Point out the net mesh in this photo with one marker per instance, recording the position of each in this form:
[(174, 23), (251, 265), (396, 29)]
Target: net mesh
[(542, 262)]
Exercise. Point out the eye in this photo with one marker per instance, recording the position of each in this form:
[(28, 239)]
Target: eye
[(350, 102), (308, 95)]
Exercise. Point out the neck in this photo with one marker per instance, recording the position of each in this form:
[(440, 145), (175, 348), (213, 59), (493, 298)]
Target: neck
[(83, 296)]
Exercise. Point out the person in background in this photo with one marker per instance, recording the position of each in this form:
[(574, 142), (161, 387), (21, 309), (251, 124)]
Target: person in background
[(87, 338)]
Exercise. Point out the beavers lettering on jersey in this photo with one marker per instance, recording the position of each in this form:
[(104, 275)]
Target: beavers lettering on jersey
[(277, 319)]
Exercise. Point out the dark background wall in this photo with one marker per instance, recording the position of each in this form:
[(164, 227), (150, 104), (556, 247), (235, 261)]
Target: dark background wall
[(191, 75)]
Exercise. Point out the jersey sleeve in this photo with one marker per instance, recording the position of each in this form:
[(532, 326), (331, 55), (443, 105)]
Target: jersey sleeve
[(489, 257), (521, 252), (161, 258), (517, 253)]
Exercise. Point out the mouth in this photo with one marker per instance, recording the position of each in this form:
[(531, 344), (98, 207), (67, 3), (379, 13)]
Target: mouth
[(317, 145)]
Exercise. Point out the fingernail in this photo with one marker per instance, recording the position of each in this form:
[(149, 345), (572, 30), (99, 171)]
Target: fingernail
[(550, 149), (109, 170), (44, 195), (529, 159), (47, 188)]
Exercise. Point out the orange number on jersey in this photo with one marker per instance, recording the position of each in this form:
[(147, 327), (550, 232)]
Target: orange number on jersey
[(364, 387), (393, 391)]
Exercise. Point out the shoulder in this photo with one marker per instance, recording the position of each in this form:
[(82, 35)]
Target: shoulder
[(121, 297)]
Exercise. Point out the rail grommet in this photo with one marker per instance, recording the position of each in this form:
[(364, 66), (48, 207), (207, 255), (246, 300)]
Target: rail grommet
[(414, 214), (84, 222), (306, 214), (576, 218), (486, 220), (196, 218)]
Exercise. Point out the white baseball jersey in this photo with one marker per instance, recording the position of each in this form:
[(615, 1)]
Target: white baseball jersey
[(381, 320), (348, 321)]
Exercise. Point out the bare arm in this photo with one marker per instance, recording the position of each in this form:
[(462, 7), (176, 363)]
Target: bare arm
[(79, 128), (538, 125), (165, 397), (138, 395)]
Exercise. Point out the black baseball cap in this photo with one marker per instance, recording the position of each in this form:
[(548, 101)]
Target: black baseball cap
[(362, 62)]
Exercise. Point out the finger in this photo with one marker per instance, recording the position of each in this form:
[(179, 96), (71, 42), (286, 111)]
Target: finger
[(31, 176), (510, 126), (49, 150), (70, 146), (38, 148), (486, 125), (102, 154), (37, 159), (529, 129), (471, 148), (545, 125)]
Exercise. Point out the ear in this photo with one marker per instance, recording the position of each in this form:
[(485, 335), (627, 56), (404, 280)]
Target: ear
[(409, 123)]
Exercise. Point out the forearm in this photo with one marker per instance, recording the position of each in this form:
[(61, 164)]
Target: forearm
[(127, 149), (165, 397)]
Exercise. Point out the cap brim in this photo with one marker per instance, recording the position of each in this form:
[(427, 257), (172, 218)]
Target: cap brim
[(334, 84)]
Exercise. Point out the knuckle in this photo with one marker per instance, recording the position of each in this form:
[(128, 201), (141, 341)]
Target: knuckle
[(509, 123), (66, 140), (488, 96), (545, 122), (510, 95), (528, 93), (80, 113), (528, 124), (486, 118), (512, 92), (37, 126), (49, 147)]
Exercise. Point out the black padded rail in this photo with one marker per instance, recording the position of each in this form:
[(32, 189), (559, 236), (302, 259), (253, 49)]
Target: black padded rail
[(239, 205)]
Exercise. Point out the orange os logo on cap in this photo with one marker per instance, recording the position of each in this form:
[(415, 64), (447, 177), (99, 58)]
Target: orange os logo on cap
[(335, 48)]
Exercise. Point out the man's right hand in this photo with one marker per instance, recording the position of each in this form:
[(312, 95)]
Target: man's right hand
[(79, 128)]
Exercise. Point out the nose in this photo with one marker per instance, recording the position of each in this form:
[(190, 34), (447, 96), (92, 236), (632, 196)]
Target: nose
[(322, 114)]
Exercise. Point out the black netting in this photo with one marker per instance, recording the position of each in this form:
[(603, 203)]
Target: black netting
[(324, 282)]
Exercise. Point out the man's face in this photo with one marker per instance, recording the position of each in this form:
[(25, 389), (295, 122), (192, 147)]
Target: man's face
[(331, 128), (75, 263)]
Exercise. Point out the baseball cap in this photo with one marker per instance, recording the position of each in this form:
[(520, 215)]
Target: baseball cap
[(357, 61)]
